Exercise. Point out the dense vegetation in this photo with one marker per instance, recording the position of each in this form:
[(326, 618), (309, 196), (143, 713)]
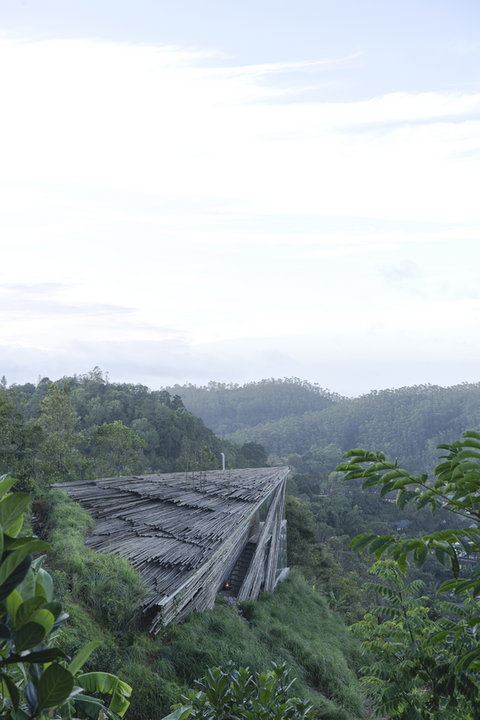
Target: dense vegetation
[(408, 422), (37, 679), (423, 653), (85, 426), (295, 625), (227, 408)]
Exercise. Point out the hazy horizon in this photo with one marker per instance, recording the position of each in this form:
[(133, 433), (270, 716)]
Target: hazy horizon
[(171, 386)]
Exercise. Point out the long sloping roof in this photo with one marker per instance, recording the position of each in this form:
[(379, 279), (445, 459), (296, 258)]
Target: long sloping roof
[(168, 525)]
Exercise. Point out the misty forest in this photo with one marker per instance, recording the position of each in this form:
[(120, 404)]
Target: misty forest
[(378, 618)]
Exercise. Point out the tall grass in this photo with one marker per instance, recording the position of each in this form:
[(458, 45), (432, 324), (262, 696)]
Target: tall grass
[(293, 624), (106, 584)]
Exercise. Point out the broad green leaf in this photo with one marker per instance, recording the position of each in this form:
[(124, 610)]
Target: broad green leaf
[(37, 656), (27, 608), (12, 690), (44, 584), (379, 545), (12, 507), (15, 528), (376, 467), (458, 586), (27, 586), (14, 600), (6, 483), (15, 543), (441, 555), (265, 695), (182, 713), (359, 452), (397, 473), (54, 686), (383, 590), (388, 487), (371, 482), (360, 541), (454, 563), (15, 557), (110, 684), (44, 618), (28, 636), (90, 706), (82, 656), (420, 555), (55, 608), (404, 497), (402, 563), (438, 637), (467, 453), (466, 660), (15, 578)]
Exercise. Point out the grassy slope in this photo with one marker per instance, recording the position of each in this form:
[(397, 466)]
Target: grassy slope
[(102, 594)]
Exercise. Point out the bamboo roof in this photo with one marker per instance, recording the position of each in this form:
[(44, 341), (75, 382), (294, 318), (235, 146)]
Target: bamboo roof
[(168, 525)]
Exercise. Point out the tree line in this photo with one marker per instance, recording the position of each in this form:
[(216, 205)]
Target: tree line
[(85, 426)]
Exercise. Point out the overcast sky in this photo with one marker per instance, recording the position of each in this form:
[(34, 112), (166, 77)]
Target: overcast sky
[(197, 190)]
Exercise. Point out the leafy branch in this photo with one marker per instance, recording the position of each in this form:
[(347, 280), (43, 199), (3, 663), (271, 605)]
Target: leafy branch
[(38, 680)]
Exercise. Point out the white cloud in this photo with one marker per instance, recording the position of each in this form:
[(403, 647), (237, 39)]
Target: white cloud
[(158, 120), (172, 184)]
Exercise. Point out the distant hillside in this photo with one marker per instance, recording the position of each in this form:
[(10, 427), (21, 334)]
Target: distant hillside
[(228, 408), (407, 423)]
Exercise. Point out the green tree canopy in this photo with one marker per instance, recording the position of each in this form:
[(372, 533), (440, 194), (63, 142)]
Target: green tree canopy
[(118, 450)]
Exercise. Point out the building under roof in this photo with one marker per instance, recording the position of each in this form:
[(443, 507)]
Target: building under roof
[(191, 535)]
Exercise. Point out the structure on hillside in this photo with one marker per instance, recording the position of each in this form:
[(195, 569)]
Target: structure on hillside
[(190, 535)]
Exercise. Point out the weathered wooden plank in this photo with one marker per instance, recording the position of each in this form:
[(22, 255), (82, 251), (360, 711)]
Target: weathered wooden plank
[(184, 532)]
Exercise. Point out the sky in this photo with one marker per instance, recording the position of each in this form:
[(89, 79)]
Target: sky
[(214, 190)]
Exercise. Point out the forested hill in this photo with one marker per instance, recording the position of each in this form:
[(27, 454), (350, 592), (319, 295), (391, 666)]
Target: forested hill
[(226, 408), (84, 426), (407, 423)]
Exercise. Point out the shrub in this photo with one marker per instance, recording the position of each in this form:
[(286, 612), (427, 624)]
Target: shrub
[(38, 679)]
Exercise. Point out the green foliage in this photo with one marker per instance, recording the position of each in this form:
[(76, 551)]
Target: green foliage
[(227, 408), (117, 450), (82, 426), (227, 692), (36, 678), (407, 422), (251, 455), (412, 654), (11, 432), (455, 488), (294, 625), (56, 440), (441, 662)]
